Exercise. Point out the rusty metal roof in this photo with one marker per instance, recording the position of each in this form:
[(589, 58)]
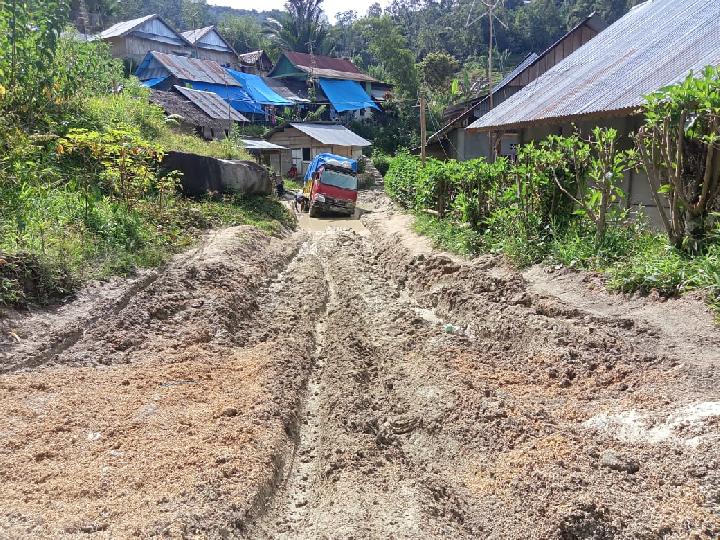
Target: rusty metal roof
[(194, 69), (326, 66), (211, 104), (656, 44), (173, 103)]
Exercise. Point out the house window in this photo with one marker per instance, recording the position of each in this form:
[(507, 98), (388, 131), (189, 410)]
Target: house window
[(306, 154), (297, 155)]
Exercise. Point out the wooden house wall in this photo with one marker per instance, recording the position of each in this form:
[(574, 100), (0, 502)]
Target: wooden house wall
[(212, 40), (157, 30), (292, 138), (477, 146), (212, 47), (224, 58), (135, 47)]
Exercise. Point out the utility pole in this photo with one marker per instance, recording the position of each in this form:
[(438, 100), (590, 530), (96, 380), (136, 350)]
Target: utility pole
[(423, 129), (490, 58), (490, 7)]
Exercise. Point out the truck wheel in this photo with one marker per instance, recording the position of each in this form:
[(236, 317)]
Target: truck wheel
[(314, 212)]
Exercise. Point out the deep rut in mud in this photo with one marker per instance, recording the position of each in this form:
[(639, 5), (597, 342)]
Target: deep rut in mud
[(339, 484), (288, 509)]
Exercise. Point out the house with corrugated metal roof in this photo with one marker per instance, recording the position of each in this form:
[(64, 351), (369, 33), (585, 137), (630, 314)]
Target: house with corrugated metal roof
[(304, 141), (451, 141), (257, 62), (209, 44), (198, 112), (336, 82), (131, 40), (603, 83), (164, 71)]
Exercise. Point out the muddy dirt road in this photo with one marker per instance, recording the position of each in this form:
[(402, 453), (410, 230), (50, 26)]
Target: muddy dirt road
[(347, 381)]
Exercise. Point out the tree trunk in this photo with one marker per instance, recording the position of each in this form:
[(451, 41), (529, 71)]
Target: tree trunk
[(601, 223), (695, 232)]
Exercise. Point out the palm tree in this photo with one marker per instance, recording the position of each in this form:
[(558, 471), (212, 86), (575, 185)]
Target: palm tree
[(302, 29)]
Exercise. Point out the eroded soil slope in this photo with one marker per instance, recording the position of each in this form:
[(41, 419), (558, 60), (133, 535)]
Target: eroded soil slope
[(353, 384)]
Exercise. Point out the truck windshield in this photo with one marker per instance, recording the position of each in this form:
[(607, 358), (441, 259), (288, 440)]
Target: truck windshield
[(338, 179)]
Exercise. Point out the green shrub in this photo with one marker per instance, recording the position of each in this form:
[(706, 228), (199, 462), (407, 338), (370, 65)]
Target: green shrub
[(523, 241), (654, 265), (657, 265), (577, 245), (381, 162), (453, 237), (401, 179), (129, 108)]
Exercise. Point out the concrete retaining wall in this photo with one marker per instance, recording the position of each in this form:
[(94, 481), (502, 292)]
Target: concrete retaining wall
[(202, 175)]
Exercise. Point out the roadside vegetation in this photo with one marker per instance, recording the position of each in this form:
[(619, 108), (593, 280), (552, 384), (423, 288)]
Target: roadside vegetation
[(82, 192), (561, 200)]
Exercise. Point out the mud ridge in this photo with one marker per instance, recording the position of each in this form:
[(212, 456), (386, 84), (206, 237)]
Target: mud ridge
[(552, 376), (259, 513), (286, 501)]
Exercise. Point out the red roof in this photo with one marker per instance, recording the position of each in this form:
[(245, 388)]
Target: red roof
[(325, 66)]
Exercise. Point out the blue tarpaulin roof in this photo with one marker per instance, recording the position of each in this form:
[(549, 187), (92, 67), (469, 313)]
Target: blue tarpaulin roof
[(235, 95), (346, 95), (152, 83), (258, 89)]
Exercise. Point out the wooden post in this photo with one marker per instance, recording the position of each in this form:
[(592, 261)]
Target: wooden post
[(423, 130)]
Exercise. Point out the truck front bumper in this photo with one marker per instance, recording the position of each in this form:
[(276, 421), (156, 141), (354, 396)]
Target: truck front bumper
[(335, 206)]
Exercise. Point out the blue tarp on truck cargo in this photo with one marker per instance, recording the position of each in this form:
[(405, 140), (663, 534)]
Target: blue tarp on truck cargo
[(322, 159), (346, 95)]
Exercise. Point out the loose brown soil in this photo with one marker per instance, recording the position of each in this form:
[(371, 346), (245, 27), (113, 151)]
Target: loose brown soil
[(350, 382)]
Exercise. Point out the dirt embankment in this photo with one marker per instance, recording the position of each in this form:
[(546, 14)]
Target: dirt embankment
[(346, 383)]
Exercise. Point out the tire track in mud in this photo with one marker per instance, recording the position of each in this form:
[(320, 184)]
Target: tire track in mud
[(354, 411), (287, 507), (349, 474)]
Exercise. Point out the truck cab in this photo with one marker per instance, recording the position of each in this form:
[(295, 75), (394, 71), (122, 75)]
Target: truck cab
[(331, 185)]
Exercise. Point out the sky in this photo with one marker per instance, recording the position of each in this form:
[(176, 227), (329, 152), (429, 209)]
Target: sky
[(331, 7)]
